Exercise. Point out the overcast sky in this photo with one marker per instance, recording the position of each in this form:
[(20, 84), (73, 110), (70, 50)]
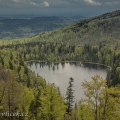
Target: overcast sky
[(58, 7)]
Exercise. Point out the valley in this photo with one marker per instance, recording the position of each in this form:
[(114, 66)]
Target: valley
[(55, 41)]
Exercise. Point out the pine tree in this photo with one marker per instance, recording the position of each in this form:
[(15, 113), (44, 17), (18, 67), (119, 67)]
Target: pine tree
[(69, 96)]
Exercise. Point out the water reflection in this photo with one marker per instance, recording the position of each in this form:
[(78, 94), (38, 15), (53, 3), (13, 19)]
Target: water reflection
[(59, 73), (56, 65), (95, 66)]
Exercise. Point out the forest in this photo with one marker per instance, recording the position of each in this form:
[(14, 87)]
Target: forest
[(25, 96), (29, 25)]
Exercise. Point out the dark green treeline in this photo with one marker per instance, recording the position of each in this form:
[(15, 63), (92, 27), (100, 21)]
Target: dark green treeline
[(21, 90), (58, 52)]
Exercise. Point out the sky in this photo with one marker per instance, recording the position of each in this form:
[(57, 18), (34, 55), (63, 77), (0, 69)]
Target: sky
[(58, 7)]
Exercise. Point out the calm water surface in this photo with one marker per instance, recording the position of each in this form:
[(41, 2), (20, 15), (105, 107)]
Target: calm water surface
[(60, 74)]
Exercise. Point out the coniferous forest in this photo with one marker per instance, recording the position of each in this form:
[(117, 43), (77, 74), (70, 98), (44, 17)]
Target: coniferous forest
[(25, 96)]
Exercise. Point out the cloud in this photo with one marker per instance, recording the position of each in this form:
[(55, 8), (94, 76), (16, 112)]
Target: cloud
[(46, 4), (33, 3), (91, 2), (66, 7), (113, 3)]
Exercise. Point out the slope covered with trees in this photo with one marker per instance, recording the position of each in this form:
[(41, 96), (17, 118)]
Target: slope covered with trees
[(29, 25), (23, 95), (101, 29), (21, 90), (59, 52)]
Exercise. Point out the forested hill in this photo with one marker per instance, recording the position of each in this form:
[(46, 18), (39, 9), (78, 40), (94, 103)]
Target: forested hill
[(29, 25), (101, 29), (27, 96)]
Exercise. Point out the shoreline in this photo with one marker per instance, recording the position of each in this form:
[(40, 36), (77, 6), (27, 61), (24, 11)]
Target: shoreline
[(67, 61)]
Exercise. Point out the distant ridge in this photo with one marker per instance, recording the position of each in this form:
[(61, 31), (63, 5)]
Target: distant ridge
[(24, 26), (100, 29)]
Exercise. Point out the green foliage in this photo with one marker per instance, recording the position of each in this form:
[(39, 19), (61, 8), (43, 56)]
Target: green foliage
[(12, 98), (52, 104), (22, 90), (70, 97), (84, 111), (59, 52), (14, 26), (101, 29), (102, 101)]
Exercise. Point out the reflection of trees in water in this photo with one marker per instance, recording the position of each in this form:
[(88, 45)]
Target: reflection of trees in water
[(94, 66), (52, 66), (42, 64), (36, 64), (30, 64), (63, 64), (55, 66), (75, 63), (48, 64), (87, 65), (71, 63)]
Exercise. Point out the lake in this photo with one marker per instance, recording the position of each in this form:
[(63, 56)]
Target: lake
[(60, 74)]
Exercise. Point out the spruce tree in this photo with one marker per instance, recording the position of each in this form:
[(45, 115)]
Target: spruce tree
[(69, 96)]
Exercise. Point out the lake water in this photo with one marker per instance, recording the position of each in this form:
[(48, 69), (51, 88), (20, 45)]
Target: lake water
[(60, 74)]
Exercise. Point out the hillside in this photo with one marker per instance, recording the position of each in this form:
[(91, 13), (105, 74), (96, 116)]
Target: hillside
[(29, 96), (101, 29), (24, 26)]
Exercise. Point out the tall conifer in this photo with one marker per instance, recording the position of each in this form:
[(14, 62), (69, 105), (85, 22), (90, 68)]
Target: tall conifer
[(69, 96)]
